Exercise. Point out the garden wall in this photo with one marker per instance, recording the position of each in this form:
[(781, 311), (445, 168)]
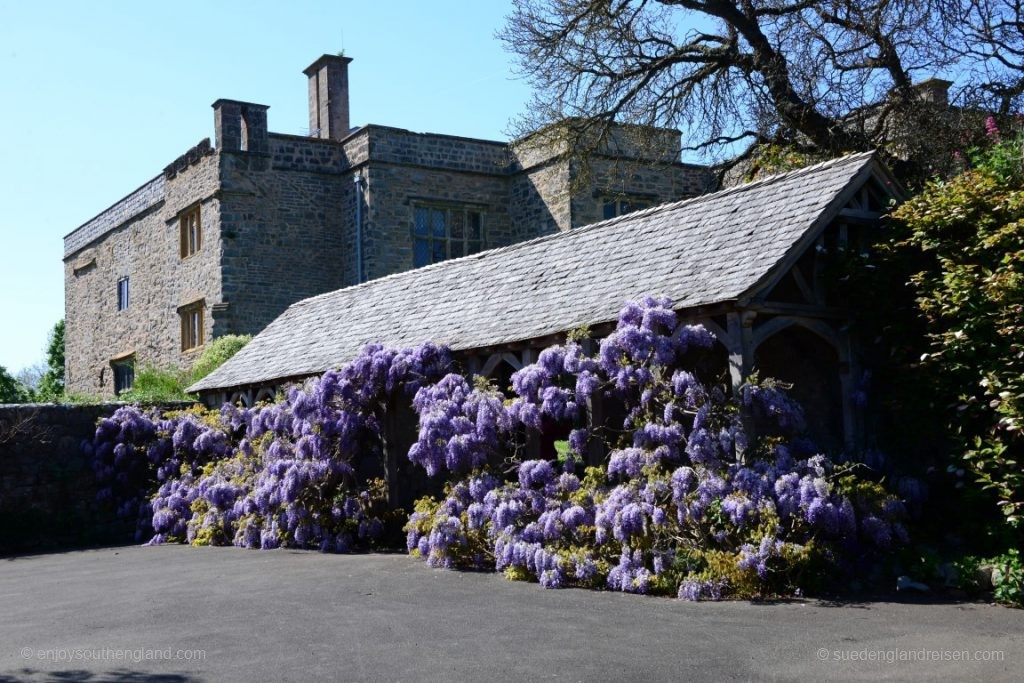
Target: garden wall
[(47, 489)]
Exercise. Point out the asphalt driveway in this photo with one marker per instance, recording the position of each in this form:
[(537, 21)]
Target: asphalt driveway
[(176, 613)]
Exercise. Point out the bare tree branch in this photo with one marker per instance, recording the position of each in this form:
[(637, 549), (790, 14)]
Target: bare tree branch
[(834, 76)]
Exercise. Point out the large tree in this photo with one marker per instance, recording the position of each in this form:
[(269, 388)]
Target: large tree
[(827, 77), (987, 37), (11, 390), (51, 384)]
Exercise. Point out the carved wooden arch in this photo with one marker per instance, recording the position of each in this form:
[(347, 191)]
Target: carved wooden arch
[(769, 329), (496, 359), (243, 397), (838, 342), (266, 393)]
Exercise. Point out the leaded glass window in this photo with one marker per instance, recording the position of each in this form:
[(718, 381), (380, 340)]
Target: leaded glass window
[(445, 232)]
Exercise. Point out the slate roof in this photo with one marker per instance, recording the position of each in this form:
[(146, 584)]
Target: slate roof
[(710, 249)]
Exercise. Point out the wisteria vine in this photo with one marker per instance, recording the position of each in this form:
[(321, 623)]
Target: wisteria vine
[(279, 474), (685, 500)]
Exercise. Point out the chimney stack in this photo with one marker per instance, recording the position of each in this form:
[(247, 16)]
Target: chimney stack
[(934, 90), (240, 126), (328, 97)]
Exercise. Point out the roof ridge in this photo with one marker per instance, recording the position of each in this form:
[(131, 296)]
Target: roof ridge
[(583, 229)]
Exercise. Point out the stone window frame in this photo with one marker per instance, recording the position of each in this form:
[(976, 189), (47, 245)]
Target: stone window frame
[(190, 231), (615, 204), (454, 214), (124, 297), (123, 370), (193, 325)]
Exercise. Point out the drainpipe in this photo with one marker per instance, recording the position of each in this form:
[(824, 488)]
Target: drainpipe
[(359, 226)]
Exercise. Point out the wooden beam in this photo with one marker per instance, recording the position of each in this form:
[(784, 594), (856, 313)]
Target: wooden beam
[(773, 308), (860, 215), (802, 285)]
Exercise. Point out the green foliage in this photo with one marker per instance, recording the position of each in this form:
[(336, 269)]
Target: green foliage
[(217, 353), (155, 385), (968, 233), (561, 451), (1008, 579), (578, 334), (80, 399), (1007, 576), (996, 155), (770, 159), (11, 390), (51, 386)]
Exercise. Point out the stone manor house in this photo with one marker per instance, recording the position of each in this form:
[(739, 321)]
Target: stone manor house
[(229, 235)]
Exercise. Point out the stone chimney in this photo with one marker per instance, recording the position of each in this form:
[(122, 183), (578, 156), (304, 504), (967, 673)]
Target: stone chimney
[(934, 90), (328, 97), (240, 126)]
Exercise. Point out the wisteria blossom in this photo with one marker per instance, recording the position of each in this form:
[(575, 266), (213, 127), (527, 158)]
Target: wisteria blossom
[(687, 499), (686, 503), (274, 475)]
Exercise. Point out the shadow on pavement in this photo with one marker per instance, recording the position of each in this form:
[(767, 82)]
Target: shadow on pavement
[(46, 552)]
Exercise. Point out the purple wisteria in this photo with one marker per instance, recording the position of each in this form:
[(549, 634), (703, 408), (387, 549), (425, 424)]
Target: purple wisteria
[(682, 496), (279, 474), (686, 503)]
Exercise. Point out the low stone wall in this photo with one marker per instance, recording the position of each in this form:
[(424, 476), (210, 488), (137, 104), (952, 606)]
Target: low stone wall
[(47, 488)]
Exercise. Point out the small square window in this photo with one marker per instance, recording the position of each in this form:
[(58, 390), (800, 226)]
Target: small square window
[(191, 232), (123, 296), (124, 375), (191, 326)]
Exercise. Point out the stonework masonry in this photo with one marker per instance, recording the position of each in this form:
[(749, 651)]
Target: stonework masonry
[(144, 248), (47, 485), (286, 217)]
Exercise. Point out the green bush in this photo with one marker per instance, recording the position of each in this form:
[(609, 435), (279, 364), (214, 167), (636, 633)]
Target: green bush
[(968, 236), (156, 385), (1008, 579), (79, 399), (159, 385), (218, 353)]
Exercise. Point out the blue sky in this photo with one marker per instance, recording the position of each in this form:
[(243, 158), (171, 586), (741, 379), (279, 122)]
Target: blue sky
[(98, 97)]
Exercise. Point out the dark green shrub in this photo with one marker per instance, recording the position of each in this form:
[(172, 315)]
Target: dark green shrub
[(217, 353)]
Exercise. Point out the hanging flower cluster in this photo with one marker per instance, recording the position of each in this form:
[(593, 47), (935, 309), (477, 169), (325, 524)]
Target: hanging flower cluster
[(687, 502), (274, 475)]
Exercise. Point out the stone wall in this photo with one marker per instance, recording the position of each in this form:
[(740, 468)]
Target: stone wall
[(146, 249), (297, 153), (286, 230), (133, 204), (429, 150), (47, 488), (651, 182), (539, 199)]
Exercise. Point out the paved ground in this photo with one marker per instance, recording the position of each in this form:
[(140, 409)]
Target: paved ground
[(283, 615)]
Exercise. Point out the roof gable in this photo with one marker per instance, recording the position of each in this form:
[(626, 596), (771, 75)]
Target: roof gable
[(706, 250)]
